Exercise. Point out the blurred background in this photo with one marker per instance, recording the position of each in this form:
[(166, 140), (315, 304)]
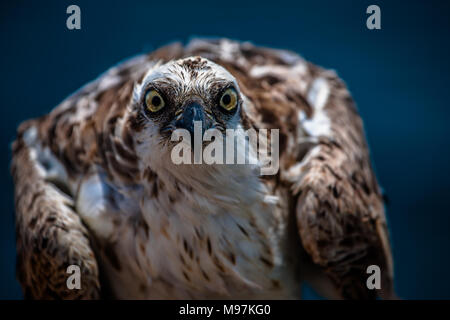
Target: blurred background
[(398, 76)]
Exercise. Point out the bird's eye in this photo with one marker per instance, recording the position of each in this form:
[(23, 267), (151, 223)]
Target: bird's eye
[(153, 101), (229, 99)]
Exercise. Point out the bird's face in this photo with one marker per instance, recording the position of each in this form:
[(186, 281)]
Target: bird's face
[(177, 94)]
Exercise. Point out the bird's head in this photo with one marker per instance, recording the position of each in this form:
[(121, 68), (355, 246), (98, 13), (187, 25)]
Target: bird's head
[(176, 94), (180, 95)]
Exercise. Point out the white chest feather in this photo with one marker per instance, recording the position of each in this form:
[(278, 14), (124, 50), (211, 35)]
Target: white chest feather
[(220, 234)]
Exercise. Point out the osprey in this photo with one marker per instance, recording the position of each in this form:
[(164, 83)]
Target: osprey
[(95, 185)]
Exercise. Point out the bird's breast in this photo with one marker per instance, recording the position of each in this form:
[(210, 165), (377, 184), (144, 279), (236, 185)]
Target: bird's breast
[(192, 243)]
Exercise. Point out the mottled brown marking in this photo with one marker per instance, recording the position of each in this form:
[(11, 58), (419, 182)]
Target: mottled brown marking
[(137, 122), (276, 284), (232, 257), (154, 192), (182, 259), (218, 264), (205, 275), (185, 275), (208, 244), (124, 153), (243, 230), (110, 253), (266, 261), (164, 232)]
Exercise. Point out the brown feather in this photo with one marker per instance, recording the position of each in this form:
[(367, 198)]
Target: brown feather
[(339, 207)]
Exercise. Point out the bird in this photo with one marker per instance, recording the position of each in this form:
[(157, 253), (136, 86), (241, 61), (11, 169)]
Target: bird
[(96, 187)]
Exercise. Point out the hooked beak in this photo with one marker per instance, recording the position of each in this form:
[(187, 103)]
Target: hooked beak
[(191, 113)]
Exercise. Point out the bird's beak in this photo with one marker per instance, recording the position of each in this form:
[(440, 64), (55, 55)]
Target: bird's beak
[(191, 113)]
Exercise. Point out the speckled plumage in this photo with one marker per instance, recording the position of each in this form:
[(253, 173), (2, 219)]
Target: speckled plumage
[(95, 187)]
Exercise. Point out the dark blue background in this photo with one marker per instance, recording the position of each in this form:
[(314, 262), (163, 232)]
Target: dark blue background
[(399, 77)]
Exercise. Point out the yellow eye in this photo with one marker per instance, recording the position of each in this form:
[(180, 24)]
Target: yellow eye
[(229, 99), (153, 101)]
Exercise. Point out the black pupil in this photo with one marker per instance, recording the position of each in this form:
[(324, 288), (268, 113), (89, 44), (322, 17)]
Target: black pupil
[(156, 101), (226, 99)]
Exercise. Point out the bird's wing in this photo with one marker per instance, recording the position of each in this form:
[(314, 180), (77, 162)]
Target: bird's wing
[(340, 212), (50, 236), (50, 157), (324, 159)]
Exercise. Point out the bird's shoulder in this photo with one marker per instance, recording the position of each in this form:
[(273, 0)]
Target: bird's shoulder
[(82, 130)]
